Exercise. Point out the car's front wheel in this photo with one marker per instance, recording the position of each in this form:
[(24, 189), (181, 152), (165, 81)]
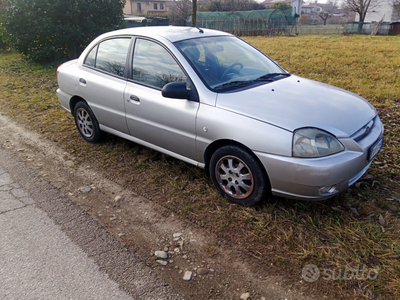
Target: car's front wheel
[(238, 176), (87, 123)]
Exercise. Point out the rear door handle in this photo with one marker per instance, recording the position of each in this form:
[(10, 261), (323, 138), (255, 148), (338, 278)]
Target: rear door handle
[(82, 81)]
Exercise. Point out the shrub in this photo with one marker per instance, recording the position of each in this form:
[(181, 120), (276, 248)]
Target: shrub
[(45, 30)]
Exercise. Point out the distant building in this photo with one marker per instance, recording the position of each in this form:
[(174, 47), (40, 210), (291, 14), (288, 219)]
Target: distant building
[(296, 4), (307, 9), (339, 12), (140, 7), (315, 8), (384, 11)]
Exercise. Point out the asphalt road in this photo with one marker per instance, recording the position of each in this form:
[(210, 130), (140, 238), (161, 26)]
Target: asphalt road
[(52, 249)]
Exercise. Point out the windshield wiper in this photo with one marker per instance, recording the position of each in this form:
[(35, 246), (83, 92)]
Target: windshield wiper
[(269, 76), (234, 83)]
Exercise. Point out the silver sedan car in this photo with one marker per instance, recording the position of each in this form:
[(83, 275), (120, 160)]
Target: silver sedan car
[(212, 100)]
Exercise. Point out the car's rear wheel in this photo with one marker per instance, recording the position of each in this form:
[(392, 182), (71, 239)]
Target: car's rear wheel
[(87, 123), (238, 175)]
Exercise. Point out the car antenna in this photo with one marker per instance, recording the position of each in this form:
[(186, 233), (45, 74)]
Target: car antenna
[(200, 30)]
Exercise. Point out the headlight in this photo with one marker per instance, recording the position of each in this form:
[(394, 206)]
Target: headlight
[(311, 142)]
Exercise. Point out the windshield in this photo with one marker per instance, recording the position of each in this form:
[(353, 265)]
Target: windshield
[(226, 63)]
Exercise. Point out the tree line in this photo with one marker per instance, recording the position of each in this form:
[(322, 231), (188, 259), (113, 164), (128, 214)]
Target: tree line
[(54, 29), (45, 30)]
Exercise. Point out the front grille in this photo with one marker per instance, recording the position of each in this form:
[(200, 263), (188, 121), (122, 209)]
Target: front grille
[(360, 134)]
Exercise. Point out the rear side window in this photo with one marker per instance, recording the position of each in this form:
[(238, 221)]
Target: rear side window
[(91, 58), (109, 56)]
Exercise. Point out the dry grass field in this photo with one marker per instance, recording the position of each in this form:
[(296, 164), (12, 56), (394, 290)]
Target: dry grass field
[(358, 230)]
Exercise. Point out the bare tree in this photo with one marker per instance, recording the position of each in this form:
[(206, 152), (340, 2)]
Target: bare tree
[(361, 7), (180, 11), (327, 10), (324, 15)]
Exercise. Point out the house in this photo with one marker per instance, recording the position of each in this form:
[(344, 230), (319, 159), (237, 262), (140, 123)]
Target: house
[(296, 4), (140, 7), (339, 12), (316, 8), (385, 11), (307, 9)]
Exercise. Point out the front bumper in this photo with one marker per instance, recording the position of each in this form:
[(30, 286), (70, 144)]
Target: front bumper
[(321, 178)]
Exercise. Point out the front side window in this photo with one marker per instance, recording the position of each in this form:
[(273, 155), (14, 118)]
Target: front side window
[(109, 56), (154, 66)]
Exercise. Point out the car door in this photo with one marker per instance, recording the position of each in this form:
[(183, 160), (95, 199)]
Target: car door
[(163, 122), (103, 81)]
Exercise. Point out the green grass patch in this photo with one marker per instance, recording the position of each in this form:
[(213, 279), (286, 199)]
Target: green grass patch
[(357, 228)]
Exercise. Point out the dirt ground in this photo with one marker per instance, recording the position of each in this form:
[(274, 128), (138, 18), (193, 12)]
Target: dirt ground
[(219, 270)]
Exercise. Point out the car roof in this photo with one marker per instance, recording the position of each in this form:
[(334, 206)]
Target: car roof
[(172, 33)]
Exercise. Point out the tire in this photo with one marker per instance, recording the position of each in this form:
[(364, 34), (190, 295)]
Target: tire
[(238, 175), (87, 123)]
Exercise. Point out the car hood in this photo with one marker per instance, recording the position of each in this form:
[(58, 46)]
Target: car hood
[(296, 102)]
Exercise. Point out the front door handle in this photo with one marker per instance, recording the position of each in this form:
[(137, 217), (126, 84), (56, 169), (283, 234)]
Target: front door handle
[(134, 99), (82, 81)]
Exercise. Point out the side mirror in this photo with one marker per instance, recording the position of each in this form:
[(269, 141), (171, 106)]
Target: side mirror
[(176, 90)]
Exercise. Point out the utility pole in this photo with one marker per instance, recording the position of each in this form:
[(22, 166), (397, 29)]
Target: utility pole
[(194, 12)]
